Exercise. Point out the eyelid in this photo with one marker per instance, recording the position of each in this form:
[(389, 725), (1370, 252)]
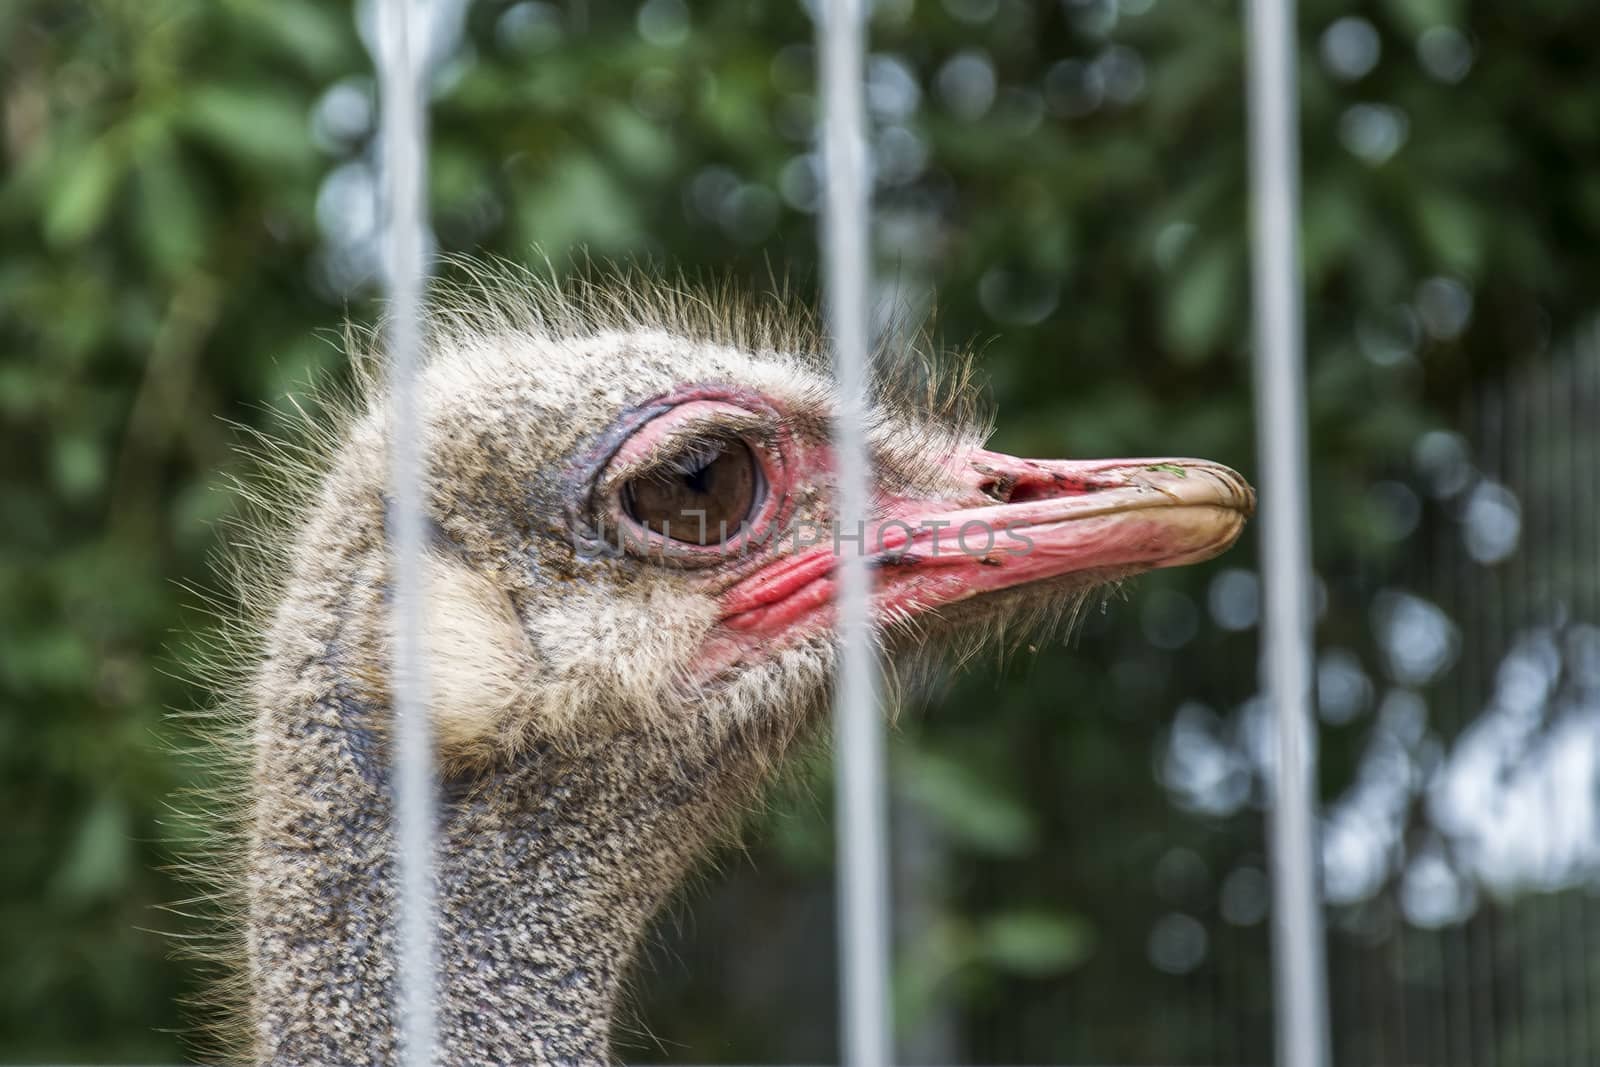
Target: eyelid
[(686, 431)]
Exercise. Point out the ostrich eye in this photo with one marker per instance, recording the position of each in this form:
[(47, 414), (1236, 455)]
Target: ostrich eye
[(701, 497)]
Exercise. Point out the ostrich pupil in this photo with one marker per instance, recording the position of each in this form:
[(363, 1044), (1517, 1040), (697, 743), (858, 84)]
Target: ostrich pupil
[(701, 505)]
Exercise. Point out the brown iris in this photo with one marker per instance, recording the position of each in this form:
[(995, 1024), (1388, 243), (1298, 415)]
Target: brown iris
[(702, 497)]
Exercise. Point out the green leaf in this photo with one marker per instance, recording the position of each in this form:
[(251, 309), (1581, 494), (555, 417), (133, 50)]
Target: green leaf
[(1453, 229), (79, 464), (171, 216), (317, 36), (1418, 15), (1335, 222), (100, 857), (1202, 301), (257, 125), (82, 194), (1035, 942), (52, 658), (640, 145), (581, 203), (970, 807)]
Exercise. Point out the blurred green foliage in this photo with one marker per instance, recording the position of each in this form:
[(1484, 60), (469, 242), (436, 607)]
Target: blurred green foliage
[(1068, 178)]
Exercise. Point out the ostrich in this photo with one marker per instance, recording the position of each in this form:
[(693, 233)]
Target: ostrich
[(629, 624)]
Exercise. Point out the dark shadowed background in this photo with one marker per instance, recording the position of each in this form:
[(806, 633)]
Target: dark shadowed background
[(186, 218)]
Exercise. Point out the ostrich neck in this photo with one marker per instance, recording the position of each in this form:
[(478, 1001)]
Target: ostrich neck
[(547, 873)]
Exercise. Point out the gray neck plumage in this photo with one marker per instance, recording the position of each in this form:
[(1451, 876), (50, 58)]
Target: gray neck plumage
[(548, 871)]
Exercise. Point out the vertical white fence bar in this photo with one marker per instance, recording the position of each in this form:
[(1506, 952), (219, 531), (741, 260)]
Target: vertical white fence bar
[(403, 137), (1286, 624), (858, 727)]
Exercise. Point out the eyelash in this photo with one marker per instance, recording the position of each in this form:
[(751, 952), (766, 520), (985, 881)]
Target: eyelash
[(695, 457), (694, 450)]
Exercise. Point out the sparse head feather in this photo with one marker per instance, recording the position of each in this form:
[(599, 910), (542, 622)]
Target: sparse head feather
[(526, 382)]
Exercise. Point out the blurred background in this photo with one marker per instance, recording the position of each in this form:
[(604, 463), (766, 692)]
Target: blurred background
[(187, 216)]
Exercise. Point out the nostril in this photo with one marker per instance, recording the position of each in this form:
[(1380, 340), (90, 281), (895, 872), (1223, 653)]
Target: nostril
[(1007, 489), (997, 489), (1028, 487), (1023, 492), (1026, 482)]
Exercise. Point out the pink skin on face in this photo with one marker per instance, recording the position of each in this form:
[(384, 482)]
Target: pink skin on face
[(1005, 522), (1015, 522)]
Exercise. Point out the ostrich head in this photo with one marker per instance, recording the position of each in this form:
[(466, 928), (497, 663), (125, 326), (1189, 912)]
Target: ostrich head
[(629, 619)]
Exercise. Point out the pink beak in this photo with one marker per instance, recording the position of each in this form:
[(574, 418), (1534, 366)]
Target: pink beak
[(1013, 522)]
